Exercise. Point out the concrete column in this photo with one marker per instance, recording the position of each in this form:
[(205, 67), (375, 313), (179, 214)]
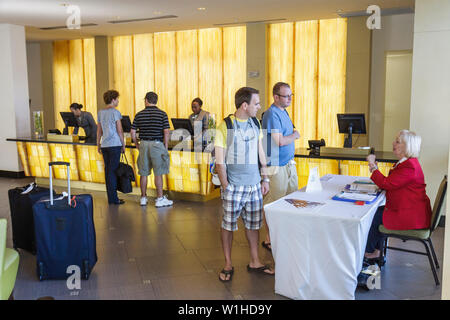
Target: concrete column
[(103, 68), (15, 121), (47, 85), (396, 34), (446, 267), (430, 96), (256, 60), (357, 85)]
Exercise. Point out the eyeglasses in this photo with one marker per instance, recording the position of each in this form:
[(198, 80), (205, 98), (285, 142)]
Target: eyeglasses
[(288, 96)]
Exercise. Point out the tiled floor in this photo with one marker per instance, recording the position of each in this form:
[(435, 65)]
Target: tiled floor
[(176, 253)]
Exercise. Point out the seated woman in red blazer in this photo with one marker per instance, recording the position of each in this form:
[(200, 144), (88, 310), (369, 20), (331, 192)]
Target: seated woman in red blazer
[(407, 204)]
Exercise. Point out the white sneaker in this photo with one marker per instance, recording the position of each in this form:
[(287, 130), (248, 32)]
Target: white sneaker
[(163, 202), (144, 201)]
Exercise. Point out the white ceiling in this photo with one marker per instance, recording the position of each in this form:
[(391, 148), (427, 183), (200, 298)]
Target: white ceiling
[(35, 14)]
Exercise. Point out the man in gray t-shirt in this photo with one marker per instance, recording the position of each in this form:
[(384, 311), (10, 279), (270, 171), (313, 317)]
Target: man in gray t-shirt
[(242, 189)]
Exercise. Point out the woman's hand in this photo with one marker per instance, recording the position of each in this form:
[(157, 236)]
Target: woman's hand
[(372, 163), (371, 158)]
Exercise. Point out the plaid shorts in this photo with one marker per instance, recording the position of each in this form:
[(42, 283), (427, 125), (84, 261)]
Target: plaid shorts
[(245, 201)]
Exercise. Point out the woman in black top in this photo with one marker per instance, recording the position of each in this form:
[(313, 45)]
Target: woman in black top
[(86, 121)]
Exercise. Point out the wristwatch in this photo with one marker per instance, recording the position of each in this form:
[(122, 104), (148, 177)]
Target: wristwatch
[(266, 180)]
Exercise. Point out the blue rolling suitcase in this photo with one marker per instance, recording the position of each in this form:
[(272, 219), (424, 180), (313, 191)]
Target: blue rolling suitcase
[(65, 233)]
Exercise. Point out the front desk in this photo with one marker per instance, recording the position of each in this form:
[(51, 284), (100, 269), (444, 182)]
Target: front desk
[(189, 177)]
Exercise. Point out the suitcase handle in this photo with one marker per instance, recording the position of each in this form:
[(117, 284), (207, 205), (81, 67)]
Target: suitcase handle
[(59, 163)]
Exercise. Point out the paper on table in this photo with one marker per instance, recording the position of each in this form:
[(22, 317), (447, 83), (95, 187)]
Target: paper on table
[(371, 188), (304, 204), (356, 196)]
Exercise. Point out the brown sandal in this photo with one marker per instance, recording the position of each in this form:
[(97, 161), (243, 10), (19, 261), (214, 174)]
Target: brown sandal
[(226, 273), (261, 270)]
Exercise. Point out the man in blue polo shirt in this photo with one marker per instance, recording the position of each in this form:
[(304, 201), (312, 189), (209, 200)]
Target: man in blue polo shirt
[(281, 137)]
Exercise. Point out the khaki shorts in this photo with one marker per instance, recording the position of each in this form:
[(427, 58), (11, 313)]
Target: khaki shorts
[(283, 181), (153, 155)]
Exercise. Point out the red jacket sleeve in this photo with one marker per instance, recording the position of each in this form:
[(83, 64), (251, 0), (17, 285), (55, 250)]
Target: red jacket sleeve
[(398, 178)]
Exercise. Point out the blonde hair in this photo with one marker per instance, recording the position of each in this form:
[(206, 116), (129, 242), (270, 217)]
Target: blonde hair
[(412, 143)]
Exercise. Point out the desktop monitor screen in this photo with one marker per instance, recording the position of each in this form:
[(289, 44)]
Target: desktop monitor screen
[(126, 123), (69, 119), (354, 120), (183, 124)]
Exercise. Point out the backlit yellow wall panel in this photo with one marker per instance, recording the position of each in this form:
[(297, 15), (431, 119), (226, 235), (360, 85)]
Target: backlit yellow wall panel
[(61, 79), (187, 71), (66, 153), (331, 90), (311, 57), (90, 164), (144, 73), (90, 81), (38, 159), (325, 166), (305, 81), (210, 70), (123, 75), (280, 58), (74, 77), (166, 72), (76, 57), (180, 66), (22, 150), (234, 66)]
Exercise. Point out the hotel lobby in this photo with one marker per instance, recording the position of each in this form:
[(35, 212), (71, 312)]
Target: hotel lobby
[(384, 60)]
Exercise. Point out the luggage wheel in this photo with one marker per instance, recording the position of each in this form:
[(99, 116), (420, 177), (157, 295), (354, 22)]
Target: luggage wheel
[(86, 269), (41, 271)]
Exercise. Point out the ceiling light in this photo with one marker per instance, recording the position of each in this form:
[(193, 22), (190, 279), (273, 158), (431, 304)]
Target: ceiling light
[(201, 9)]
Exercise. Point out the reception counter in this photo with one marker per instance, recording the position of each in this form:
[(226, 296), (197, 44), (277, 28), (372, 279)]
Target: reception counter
[(339, 163), (189, 176)]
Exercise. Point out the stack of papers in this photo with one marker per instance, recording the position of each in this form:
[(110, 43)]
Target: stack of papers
[(359, 190), (363, 187), (356, 196)]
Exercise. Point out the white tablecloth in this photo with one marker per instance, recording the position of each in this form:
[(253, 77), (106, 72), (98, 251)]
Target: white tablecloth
[(318, 252)]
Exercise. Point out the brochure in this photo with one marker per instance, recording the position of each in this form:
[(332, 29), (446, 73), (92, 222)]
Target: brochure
[(304, 204)]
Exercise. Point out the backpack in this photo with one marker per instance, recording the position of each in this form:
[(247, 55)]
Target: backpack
[(230, 138)]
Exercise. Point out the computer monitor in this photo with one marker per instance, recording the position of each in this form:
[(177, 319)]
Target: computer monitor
[(126, 123), (69, 121), (183, 124), (350, 123)]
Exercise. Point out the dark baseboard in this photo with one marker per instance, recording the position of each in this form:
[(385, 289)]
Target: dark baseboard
[(12, 174), (442, 222)]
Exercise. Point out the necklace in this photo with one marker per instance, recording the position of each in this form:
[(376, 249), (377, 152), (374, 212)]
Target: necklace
[(242, 134)]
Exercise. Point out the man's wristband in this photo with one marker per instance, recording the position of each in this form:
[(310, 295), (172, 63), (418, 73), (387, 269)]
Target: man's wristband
[(265, 180)]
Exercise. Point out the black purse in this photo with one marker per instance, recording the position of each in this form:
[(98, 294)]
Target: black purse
[(125, 175)]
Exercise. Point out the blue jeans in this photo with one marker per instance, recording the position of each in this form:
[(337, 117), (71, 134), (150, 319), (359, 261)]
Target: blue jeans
[(375, 238), (111, 157)]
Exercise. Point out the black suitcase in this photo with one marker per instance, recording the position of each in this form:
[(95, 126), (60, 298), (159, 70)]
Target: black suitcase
[(21, 202)]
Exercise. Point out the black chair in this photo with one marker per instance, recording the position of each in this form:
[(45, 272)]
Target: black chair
[(421, 235)]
